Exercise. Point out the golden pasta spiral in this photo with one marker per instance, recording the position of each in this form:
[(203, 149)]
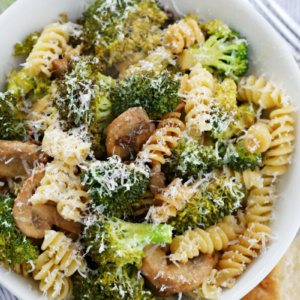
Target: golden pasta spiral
[(192, 242), (198, 97), (258, 138), (64, 147), (171, 199), (258, 91), (56, 264), (281, 148), (234, 260), (61, 184), (165, 137), (50, 45), (183, 34), (21, 269)]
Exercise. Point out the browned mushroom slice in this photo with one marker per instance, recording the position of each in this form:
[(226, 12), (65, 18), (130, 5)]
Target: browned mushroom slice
[(59, 65), (168, 278), (34, 220), (157, 181), (15, 156), (127, 133)]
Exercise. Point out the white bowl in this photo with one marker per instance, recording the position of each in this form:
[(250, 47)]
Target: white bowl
[(269, 57)]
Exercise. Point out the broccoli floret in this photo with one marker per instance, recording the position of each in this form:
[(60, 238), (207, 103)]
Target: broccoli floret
[(114, 29), (224, 53), (239, 159), (111, 282), (229, 119), (156, 93), (11, 117), (25, 47), (191, 159), (22, 84), (15, 248), (115, 186), (213, 202), (119, 242), (82, 98)]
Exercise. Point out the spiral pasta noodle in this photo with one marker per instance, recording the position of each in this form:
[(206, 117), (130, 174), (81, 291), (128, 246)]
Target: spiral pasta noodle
[(183, 34), (234, 260), (258, 138), (258, 91), (198, 97), (192, 242), (21, 269), (56, 264), (172, 199), (61, 184), (165, 137), (64, 147), (281, 148), (51, 43)]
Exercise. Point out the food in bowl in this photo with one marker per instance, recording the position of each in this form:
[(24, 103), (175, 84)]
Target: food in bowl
[(138, 133)]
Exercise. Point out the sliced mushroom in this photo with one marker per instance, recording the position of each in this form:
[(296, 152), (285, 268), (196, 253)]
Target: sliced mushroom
[(157, 181), (127, 133), (17, 157), (168, 278), (33, 220), (59, 65)]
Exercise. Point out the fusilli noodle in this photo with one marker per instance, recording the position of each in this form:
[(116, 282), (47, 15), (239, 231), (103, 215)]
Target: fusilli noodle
[(56, 264), (192, 242), (62, 185), (165, 137), (279, 154), (64, 147), (172, 199), (51, 43), (258, 138), (198, 100), (183, 34), (258, 91)]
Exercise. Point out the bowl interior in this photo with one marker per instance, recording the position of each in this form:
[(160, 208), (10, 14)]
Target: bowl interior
[(269, 57)]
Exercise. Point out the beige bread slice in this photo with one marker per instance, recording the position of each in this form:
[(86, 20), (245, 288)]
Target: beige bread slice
[(284, 280)]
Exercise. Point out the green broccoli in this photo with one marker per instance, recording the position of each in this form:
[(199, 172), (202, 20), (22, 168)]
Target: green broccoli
[(11, 117), (229, 119), (114, 29), (25, 47), (22, 84), (15, 248), (111, 282), (82, 98), (115, 186), (213, 202), (239, 159), (224, 53), (156, 93), (191, 159), (119, 242)]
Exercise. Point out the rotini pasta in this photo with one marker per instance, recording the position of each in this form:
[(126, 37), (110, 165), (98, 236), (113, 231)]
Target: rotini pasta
[(56, 264), (52, 43), (258, 91), (183, 34), (170, 200), (61, 184), (198, 100), (281, 148), (234, 260), (64, 147), (21, 269), (165, 137), (192, 242), (258, 138)]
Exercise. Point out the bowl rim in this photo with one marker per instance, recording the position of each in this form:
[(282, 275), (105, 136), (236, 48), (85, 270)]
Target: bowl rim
[(272, 261)]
